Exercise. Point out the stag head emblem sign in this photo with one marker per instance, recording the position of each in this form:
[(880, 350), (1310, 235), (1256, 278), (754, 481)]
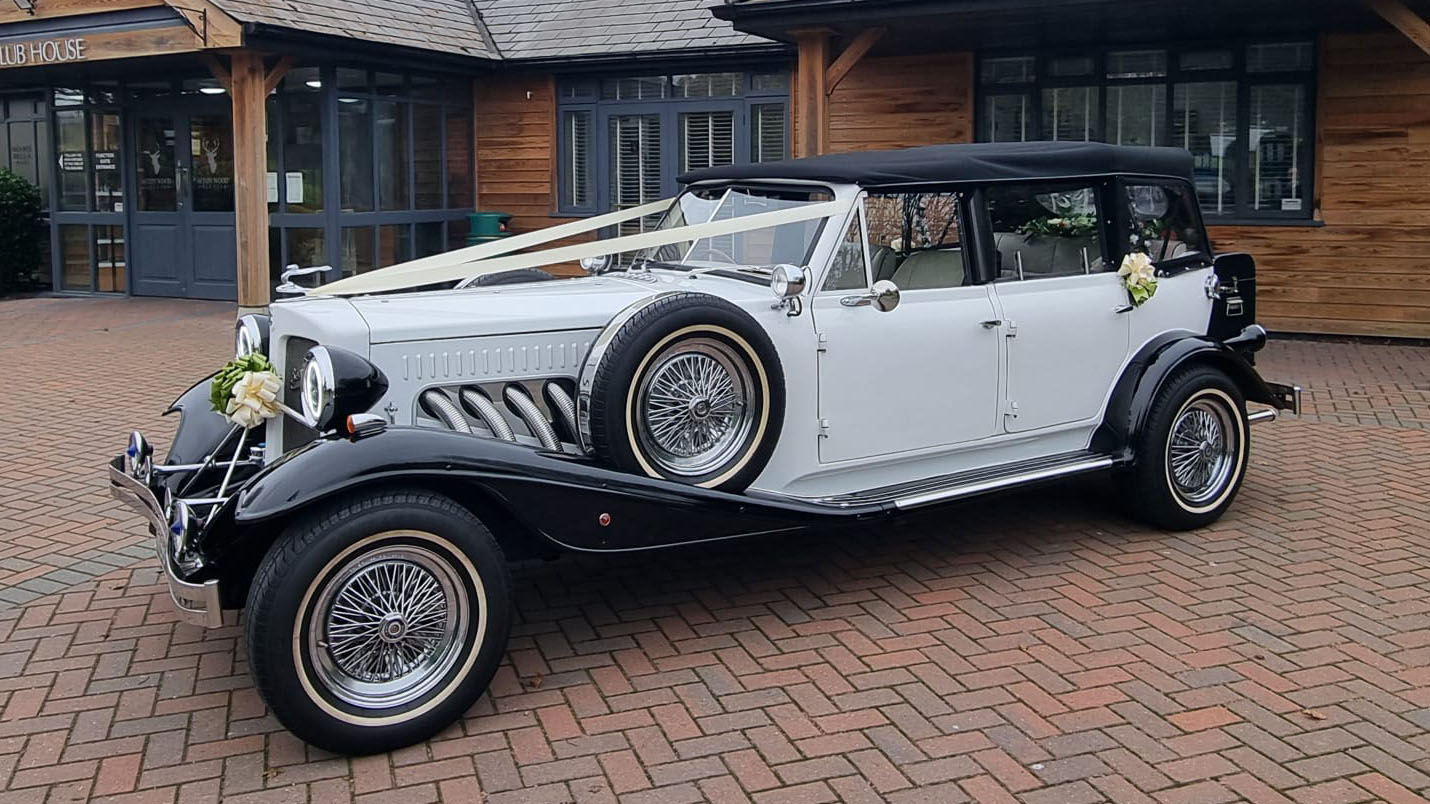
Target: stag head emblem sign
[(211, 149)]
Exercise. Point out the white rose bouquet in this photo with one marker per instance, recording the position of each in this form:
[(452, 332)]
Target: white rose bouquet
[(245, 391), (1139, 277)]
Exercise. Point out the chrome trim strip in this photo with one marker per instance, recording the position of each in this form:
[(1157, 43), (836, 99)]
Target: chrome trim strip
[(1256, 417), (196, 603), (955, 492)]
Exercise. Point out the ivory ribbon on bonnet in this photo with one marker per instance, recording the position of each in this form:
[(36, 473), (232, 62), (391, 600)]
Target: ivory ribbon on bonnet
[(488, 258)]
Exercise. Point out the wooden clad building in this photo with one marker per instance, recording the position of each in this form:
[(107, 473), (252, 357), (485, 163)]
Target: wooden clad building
[(196, 148), (1310, 120)]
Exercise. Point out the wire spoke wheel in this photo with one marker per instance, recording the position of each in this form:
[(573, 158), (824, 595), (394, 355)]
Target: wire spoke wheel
[(1202, 450), (388, 626), (694, 407)]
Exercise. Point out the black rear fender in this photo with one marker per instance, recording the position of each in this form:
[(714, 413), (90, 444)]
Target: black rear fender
[(1158, 361)]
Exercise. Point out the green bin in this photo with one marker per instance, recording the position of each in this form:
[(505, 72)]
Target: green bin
[(484, 227)]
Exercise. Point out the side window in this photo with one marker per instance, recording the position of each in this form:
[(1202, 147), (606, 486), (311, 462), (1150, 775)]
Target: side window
[(1165, 226), (915, 239), (847, 270), (1046, 230)]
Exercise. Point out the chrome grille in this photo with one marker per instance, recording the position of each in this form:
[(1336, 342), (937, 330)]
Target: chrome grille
[(294, 434)]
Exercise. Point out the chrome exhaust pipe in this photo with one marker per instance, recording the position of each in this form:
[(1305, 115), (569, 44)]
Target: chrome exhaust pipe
[(1267, 415), (440, 406), (528, 411), (479, 406), (564, 405)]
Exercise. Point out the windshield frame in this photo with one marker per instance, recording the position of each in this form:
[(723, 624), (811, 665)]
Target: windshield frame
[(725, 189)]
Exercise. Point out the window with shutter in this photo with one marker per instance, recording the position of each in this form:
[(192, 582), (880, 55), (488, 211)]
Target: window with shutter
[(624, 140), (635, 165), (707, 139), (576, 143), (768, 137)]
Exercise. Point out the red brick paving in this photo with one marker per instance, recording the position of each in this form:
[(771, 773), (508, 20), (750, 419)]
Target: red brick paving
[(1036, 647)]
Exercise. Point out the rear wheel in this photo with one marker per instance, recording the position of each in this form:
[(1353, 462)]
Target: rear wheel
[(378, 622), (1191, 454)]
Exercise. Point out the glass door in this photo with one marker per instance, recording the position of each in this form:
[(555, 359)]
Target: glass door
[(182, 221)]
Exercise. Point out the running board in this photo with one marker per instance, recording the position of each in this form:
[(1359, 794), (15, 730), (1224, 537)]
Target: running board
[(945, 488)]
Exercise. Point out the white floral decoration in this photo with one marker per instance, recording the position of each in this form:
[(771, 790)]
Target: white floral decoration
[(1139, 277), (255, 399)]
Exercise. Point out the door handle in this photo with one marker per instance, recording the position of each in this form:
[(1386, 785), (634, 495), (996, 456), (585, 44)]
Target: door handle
[(1126, 308), (991, 324)]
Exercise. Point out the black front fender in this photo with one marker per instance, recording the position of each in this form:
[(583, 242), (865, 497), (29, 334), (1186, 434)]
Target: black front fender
[(201, 430), (567, 501)]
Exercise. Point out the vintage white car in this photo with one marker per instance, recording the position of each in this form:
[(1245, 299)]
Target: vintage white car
[(786, 346)]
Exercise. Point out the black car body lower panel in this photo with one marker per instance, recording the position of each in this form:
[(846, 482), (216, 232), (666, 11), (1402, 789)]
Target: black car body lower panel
[(567, 501)]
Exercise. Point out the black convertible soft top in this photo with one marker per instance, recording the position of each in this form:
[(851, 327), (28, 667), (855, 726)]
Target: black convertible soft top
[(985, 161)]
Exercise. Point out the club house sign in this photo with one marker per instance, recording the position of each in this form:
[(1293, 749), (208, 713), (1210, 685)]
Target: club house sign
[(44, 51)]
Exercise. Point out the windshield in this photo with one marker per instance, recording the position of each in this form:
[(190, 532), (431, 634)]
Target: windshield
[(787, 243)]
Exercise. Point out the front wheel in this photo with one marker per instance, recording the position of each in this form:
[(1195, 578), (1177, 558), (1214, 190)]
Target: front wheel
[(1191, 455), (376, 623)]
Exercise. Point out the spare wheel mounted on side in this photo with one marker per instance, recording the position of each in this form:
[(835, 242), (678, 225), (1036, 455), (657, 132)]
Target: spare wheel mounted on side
[(685, 387)]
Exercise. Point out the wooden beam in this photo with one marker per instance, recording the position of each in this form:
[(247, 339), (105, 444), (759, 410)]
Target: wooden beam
[(857, 49), (811, 100), (1405, 20), (276, 74), (219, 72), (51, 9), (250, 177)]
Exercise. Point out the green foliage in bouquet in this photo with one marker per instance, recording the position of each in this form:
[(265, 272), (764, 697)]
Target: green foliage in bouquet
[(222, 389)]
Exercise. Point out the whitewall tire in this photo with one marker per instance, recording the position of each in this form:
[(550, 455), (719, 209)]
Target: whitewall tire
[(1192, 452), (690, 390), (377, 622)]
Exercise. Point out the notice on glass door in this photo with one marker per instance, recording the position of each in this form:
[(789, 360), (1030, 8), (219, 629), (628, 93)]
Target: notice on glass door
[(272, 187), (293, 183)]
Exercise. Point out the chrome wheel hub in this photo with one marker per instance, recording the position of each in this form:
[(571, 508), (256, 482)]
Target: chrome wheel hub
[(693, 407), (387, 627), (1201, 453)]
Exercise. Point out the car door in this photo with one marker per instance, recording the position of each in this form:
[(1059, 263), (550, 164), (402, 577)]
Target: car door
[(1064, 310), (922, 375)]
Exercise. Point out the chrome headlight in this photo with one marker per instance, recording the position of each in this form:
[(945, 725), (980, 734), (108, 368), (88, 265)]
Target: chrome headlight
[(318, 387), (337, 384), (787, 281), (250, 335)]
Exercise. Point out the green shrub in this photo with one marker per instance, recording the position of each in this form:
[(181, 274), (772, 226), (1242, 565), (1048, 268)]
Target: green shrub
[(21, 230)]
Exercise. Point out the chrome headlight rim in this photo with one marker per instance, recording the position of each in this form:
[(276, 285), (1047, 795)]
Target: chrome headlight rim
[(318, 388), (250, 336), (788, 281)]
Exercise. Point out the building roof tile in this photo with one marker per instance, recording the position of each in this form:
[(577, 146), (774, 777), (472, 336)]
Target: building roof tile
[(520, 29)]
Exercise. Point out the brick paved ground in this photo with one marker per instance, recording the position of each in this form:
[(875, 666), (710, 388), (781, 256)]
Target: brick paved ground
[(1035, 648)]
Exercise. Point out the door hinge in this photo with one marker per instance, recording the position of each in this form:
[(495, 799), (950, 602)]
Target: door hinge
[(823, 428), (822, 345), (1011, 328), (1012, 411)]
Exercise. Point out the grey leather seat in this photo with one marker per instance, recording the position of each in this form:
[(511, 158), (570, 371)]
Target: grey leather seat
[(936, 268), (886, 262)]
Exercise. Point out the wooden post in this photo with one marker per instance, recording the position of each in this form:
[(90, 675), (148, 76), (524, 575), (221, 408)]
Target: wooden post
[(811, 98), (250, 178)]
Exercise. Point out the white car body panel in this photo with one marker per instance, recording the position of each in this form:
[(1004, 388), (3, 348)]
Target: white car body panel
[(1066, 344), (920, 391)]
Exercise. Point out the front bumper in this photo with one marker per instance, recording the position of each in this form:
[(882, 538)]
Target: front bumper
[(196, 603)]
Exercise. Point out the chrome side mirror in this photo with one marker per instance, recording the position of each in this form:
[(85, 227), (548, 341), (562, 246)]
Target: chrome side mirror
[(883, 296)]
